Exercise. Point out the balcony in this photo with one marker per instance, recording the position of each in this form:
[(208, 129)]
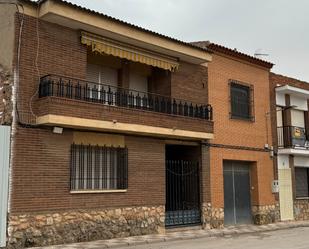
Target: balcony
[(52, 85), (292, 137), (147, 113)]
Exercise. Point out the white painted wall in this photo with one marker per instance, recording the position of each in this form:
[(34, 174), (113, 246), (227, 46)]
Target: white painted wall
[(4, 180), (283, 162), (300, 103), (301, 161), (280, 99)]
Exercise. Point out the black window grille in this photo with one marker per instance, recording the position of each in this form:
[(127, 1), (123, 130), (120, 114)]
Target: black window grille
[(98, 167), (302, 182), (241, 101)]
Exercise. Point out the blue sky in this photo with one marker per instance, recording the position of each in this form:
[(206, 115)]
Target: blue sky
[(279, 28)]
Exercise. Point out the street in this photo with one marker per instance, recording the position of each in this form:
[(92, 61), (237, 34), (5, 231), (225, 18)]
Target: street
[(296, 238)]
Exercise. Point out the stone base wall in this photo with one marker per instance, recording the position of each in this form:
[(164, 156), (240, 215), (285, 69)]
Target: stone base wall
[(212, 217), (6, 105), (301, 209), (265, 214), (43, 229)]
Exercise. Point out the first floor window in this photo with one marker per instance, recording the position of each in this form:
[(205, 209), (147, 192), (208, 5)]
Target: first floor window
[(241, 101), (98, 167), (302, 182)]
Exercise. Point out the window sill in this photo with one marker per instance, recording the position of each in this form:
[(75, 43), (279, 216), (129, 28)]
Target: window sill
[(98, 191), (250, 119), (302, 198)]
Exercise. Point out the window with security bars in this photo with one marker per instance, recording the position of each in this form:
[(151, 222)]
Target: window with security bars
[(302, 182), (98, 168), (241, 101)]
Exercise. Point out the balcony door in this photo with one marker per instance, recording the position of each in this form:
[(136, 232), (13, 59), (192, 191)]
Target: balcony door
[(298, 130), (139, 87), (103, 82)]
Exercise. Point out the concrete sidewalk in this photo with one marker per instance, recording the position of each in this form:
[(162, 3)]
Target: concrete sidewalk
[(179, 235)]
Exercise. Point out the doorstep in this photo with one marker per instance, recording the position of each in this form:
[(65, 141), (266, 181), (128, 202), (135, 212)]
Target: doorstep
[(182, 228), (179, 235)]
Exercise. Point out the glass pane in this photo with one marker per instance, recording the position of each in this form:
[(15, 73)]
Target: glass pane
[(240, 100)]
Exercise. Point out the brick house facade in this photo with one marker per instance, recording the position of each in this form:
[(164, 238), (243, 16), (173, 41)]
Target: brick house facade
[(238, 140), (79, 115), (48, 202)]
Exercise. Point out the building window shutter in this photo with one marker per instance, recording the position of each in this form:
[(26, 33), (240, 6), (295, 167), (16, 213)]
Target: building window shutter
[(102, 83), (301, 179)]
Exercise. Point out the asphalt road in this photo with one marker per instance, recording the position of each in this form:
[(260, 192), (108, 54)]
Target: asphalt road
[(296, 238)]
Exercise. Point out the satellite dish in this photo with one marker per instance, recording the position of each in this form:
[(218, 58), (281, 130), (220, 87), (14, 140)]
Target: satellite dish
[(258, 53)]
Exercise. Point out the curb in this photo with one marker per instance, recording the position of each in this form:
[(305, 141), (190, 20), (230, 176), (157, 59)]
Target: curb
[(176, 236)]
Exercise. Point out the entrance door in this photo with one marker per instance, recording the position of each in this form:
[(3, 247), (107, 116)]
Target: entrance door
[(285, 194), (182, 193), (237, 203)]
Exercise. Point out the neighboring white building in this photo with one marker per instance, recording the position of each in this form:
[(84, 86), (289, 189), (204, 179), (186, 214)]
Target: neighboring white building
[(293, 150)]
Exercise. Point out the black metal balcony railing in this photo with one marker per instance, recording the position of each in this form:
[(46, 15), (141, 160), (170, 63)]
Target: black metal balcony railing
[(59, 86), (291, 137)]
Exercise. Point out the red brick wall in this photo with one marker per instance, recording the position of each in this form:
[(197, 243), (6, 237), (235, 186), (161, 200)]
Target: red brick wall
[(240, 132), (160, 82), (261, 174), (234, 132), (41, 162), (277, 79), (205, 175), (41, 174), (81, 109), (60, 52), (190, 83)]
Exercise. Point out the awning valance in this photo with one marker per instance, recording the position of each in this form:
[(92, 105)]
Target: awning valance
[(103, 45)]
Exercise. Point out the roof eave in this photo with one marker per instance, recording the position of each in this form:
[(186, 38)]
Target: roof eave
[(219, 48), (205, 53)]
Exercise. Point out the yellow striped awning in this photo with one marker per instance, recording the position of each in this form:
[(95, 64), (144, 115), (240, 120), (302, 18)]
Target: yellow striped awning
[(103, 45)]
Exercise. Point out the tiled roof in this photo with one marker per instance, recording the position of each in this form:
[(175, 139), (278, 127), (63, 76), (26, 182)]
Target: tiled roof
[(119, 21), (213, 47), (201, 45)]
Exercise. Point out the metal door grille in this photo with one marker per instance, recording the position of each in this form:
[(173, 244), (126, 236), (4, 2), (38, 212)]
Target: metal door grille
[(182, 193)]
